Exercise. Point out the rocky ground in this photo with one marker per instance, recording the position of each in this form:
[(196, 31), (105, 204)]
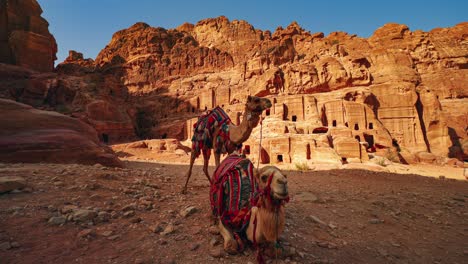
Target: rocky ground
[(94, 214)]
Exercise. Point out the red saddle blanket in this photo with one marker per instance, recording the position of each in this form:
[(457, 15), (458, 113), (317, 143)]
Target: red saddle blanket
[(233, 192), (204, 128)]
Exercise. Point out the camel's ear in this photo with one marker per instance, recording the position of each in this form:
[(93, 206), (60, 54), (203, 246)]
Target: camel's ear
[(249, 98)]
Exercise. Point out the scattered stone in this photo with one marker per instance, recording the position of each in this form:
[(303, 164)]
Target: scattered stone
[(103, 216), (68, 208), (135, 220), (27, 190), (194, 246), (217, 253), (59, 184), (130, 207), (139, 261), (325, 244), (114, 215), (375, 221), (95, 197), (459, 199), (8, 183), (83, 215), (129, 214), (86, 234), (15, 244), (168, 230), (306, 197), (156, 228), (5, 246), (114, 237), (107, 233), (57, 220), (382, 252), (316, 220), (188, 211)]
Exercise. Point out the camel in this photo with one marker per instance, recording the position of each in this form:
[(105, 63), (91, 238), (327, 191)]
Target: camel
[(226, 137), (260, 215)]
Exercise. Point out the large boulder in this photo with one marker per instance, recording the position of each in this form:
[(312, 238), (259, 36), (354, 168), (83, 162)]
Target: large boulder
[(31, 135)]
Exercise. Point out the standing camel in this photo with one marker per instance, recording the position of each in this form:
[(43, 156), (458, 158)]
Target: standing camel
[(215, 130)]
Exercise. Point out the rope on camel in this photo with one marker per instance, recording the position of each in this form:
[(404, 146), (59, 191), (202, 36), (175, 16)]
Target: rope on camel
[(260, 142)]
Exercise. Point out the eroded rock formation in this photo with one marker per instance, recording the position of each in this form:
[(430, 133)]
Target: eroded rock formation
[(24, 36), (338, 97), (31, 135), (386, 92)]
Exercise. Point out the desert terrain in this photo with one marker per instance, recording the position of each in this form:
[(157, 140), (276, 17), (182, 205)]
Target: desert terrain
[(372, 134), (136, 214)]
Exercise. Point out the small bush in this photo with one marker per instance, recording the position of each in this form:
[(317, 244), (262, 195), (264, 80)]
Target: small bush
[(302, 166), (381, 162), (392, 156)]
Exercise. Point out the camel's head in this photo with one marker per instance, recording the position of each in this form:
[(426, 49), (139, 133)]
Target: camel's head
[(277, 180), (257, 104)]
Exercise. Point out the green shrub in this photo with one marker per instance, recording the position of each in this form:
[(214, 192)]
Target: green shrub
[(392, 155), (302, 166), (381, 162)]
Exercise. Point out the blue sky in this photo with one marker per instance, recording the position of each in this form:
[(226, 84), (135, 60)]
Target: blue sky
[(87, 25)]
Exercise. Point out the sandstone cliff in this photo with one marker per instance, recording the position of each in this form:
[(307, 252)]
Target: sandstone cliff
[(24, 36), (340, 96), (31, 135), (401, 79)]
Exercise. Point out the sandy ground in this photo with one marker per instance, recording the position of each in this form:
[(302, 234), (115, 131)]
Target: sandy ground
[(93, 214)]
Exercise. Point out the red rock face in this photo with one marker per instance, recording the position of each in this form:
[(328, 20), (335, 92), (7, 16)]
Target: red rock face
[(393, 90), (144, 56), (404, 74), (24, 36), (31, 135)]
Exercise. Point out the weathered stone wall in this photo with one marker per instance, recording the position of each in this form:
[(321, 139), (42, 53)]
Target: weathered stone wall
[(24, 36)]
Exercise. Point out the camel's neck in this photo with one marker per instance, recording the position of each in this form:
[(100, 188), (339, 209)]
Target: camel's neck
[(240, 133)]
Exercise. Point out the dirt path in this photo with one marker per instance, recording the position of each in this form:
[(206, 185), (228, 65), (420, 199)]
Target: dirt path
[(135, 215)]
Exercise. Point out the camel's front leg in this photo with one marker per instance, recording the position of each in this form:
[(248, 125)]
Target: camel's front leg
[(254, 225), (230, 243)]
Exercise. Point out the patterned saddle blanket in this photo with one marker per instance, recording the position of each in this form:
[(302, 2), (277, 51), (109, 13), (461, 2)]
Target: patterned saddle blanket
[(203, 132), (233, 192)]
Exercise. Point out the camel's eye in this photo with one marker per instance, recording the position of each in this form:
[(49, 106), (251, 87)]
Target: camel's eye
[(264, 178), (257, 100)]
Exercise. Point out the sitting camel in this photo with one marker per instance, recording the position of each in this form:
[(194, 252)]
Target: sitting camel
[(248, 203), (215, 130)]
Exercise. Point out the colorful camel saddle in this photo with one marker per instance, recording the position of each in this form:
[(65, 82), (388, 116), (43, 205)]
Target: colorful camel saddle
[(203, 132), (233, 191)]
